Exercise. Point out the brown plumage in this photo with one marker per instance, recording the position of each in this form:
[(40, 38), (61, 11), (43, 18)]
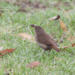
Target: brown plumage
[(44, 40)]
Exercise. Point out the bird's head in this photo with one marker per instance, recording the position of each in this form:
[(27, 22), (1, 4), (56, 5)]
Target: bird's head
[(32, 25), (38, 29)]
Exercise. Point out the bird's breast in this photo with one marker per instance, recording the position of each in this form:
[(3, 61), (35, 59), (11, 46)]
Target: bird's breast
[(40, 44)]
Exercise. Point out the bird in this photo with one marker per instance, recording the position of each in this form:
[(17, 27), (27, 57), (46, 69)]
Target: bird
[(44, 40)]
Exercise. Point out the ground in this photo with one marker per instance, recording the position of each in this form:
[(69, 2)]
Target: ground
[(16, 18)]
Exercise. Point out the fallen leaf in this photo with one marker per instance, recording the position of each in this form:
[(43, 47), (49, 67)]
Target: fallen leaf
[(33, 64), (66, 14), (71, 39), (0, 14), (54, 18), (26, 36), (57, 58), (6, 51), (68, 46), (65, 47), (73, 45), (62, 24)]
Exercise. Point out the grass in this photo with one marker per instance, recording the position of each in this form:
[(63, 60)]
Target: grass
[(14, 22)]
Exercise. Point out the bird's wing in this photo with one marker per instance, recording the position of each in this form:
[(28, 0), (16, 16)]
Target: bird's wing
[(46, 39), (54, 41)]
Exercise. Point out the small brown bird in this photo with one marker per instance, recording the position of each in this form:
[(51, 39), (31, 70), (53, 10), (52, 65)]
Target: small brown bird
[(44, 40)]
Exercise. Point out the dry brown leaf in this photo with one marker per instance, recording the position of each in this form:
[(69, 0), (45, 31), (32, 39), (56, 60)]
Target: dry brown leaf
[(71, 39), (54, 18), (0, 14), (68, 46), (33, 64), (26, 36), (62, 24), (66, 14), (57, 58), (6, 51), (65, 47), (73, 45)]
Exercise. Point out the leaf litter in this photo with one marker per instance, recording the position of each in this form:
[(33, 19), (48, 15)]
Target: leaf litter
[(33, 64), (27, 36), (6, 51)]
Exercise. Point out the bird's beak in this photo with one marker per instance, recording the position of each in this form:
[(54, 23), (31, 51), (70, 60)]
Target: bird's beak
[(32, 25)]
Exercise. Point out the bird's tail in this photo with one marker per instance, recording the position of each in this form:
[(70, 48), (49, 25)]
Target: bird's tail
[(56, 48)]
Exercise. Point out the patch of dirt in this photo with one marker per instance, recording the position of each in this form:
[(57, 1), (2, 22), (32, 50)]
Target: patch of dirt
[(37, 5), (59, 4), (26, 5)]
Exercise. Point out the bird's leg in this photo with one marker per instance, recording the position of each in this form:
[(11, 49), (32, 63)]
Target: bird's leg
[(44, 51), (49, 50)]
